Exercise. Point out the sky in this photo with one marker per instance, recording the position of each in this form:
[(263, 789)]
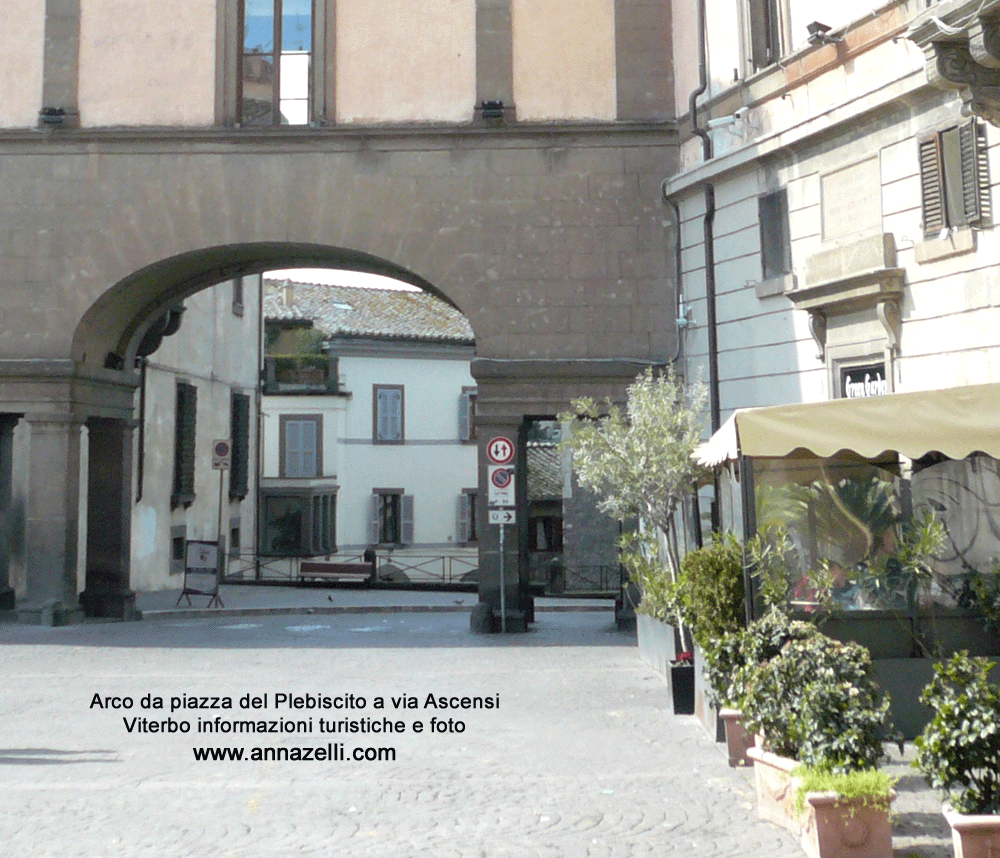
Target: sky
[(339, 278)]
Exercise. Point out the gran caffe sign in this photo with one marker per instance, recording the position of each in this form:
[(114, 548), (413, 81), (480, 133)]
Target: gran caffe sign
[(859, 382)]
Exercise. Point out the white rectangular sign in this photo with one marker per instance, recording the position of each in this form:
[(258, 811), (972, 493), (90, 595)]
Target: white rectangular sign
[(503, 516), (501, 485)]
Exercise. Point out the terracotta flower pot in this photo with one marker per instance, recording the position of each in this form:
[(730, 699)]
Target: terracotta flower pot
[(829, 826), (974, 836), (738, 740)]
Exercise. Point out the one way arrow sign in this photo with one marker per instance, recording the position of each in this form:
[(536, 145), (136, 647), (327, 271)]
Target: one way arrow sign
[(502, 516)]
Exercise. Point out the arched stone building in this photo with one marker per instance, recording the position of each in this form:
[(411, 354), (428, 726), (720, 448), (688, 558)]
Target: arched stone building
[(500, 153)]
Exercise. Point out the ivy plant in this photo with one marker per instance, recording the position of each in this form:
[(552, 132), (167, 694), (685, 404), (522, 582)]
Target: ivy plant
[(959, 749)]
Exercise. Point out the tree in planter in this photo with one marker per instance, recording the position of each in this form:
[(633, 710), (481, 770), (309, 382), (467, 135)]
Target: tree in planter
[(959, 749), (639, 461)]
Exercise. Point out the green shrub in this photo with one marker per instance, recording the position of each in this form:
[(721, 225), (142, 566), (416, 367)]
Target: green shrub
[(710, 590), (959, 749), (816, 701)]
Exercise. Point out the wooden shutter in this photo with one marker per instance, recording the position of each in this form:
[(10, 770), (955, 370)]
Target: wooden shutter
[(931, 185), (301, 446), (406, 515), (462, 528), (185, 431), (464, 415), (239, 429), (975, 173), (389, 414), (374, 523)]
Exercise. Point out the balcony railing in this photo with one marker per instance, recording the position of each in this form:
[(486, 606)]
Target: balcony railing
[(301, 374)]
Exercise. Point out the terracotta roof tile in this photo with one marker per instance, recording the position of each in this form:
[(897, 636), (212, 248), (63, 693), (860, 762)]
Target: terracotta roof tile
[(357, 312)]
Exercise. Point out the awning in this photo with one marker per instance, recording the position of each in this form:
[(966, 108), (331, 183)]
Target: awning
[(956, 421)]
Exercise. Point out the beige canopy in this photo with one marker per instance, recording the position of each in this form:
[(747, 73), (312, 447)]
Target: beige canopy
[(957, 421)]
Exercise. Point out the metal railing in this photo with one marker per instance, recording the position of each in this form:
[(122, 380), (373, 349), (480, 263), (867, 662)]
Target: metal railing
[(395, 568)]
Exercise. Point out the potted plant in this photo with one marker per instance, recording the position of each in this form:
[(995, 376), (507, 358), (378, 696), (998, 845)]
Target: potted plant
[(816, 703), (959, 752), (727, 655), (710, 600)]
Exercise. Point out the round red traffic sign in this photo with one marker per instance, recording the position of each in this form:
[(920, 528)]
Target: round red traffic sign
[(501, 478), (500, 450)]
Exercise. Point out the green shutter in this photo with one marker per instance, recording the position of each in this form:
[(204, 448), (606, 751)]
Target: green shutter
[(185, 431), (239, 428)]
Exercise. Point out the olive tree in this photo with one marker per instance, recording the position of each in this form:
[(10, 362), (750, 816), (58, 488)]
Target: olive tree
[(638, 460)]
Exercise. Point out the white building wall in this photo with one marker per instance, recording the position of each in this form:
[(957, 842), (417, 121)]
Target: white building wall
[(21, 47), (432, 465), (209, 351)]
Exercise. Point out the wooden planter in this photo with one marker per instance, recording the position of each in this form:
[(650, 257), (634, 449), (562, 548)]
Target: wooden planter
[(974, 836), (829, 826), (738, 740)]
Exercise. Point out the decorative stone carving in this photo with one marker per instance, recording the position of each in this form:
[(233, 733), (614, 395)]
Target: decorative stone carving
[(961, 45), (817, 328), (891, 317)]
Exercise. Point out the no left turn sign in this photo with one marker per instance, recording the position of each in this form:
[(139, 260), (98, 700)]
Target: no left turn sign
[(500, 450)]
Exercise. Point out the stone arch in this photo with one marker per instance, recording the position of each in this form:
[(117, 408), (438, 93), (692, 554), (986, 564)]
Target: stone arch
[(111, 329)]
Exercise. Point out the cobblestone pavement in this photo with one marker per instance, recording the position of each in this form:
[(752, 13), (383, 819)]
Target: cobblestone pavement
[(580, 759)]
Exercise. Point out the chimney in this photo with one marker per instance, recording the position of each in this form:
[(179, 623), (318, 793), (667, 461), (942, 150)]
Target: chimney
[(287, 293)]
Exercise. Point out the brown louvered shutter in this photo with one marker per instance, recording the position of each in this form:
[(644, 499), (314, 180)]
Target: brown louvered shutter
[(931, 185), (970, 172)]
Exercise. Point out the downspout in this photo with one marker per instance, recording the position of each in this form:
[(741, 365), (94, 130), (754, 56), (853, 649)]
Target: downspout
[(715, 410)]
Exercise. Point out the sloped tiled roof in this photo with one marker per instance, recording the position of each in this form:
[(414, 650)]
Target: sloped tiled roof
[(545, 477), (357, 312)]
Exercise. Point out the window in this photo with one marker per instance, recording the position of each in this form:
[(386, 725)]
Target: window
[(178, 542), (467, 414), (387, 414), (301, 445), (775, 239), (185, 414), (238, 296), (298, 523), (954, 178), (274, 85), (468, 503), (763, 33), (239, 435), (391, 517)]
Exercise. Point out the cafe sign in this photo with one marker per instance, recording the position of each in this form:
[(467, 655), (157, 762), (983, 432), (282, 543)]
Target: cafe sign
[(859, 382)]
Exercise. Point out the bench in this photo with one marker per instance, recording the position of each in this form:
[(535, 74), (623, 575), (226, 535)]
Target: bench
[(316, 570)]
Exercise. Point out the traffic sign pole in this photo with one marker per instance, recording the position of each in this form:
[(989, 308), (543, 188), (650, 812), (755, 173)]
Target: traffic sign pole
[(503, 587)]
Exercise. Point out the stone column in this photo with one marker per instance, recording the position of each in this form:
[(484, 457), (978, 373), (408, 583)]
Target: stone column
[(7, 424), (109, 520), (515, 589), (494, 56), (52, 520)]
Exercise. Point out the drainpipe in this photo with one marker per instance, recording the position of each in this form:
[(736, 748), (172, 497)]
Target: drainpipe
[(715, 410)]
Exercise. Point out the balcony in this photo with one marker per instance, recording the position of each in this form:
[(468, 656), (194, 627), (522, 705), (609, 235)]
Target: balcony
[(309, 374)]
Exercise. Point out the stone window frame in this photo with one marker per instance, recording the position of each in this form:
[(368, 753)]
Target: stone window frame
[(467, 415), (379, 435), (228, 72), (764, 31), (467, 532), (403, 534)]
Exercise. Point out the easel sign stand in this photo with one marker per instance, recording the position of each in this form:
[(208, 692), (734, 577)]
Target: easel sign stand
[(201, 572)]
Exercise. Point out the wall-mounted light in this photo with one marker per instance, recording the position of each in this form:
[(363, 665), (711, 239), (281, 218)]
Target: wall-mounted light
[(492, 109), (52, 117), (818, 34)]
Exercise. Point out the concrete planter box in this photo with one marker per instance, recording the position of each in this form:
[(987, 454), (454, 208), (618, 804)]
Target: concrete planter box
[(829, 826), (704, 709), (974, 836), (738, 740)]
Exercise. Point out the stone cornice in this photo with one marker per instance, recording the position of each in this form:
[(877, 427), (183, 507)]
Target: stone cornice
[(961, 45)]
